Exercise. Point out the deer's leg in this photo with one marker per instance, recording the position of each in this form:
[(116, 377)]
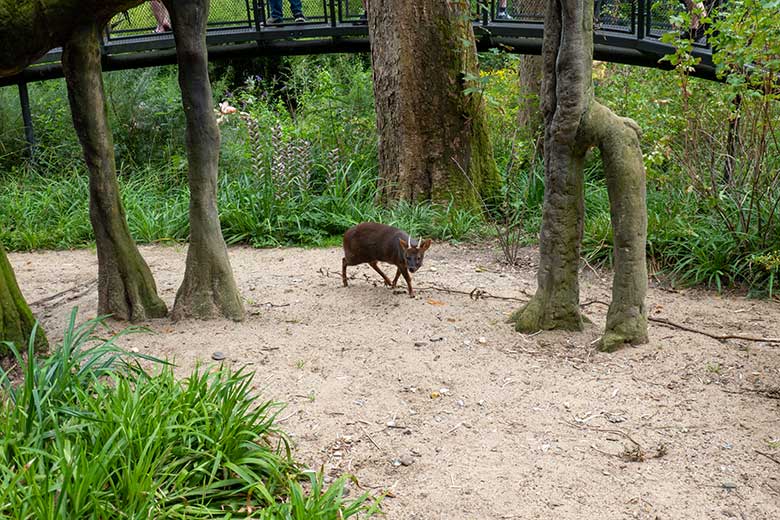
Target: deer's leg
[(397, 274), (344, 271), (408, 279), (376, 268)]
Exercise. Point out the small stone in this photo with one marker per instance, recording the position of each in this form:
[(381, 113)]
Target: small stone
[(729, 485), (460, 403), (407, 460), (419, 343), (727, 445), (396, 462), (135, 349), (482, 340), (217, 356), (467, 343), (444, 390)]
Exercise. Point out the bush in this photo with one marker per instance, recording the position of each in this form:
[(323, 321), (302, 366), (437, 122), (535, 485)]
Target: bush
[(90, 434)]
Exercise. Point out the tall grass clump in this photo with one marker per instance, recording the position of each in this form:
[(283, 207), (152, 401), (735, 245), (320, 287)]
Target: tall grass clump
[(88, 433)]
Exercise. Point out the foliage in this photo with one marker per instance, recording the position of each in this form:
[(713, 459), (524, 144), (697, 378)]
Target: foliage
[(89, 434), (729, 152), (299, 166)]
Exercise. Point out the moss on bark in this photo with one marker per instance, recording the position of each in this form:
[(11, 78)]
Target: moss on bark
[(16, 319), (30, 28)]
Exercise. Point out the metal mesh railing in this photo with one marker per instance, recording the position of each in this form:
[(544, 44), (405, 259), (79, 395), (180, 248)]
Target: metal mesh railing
[(623, 16), (140, 29)]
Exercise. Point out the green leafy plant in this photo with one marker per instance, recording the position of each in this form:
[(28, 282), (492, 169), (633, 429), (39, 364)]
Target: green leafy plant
[(88, 433)]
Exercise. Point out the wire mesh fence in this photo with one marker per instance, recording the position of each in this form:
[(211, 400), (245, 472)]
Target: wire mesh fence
[(649, 17)]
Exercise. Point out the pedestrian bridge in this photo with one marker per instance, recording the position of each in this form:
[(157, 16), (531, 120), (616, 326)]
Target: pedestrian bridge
[(625, 31)]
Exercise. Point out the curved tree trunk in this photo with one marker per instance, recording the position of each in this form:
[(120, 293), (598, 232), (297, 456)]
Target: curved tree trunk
[(126, 288), (431, 133), (16, 319), (209, 289), (574, 122)]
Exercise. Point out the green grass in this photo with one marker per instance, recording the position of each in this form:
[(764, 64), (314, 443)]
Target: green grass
[(89, 434)]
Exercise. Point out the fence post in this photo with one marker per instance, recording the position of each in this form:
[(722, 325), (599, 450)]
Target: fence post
[(24, 100), (332, 13), (641, 8)]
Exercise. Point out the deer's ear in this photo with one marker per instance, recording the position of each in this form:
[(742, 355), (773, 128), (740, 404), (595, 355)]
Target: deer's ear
[(403, 243), (425, 244)]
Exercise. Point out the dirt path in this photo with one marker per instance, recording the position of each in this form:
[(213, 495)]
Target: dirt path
[(437, 400)]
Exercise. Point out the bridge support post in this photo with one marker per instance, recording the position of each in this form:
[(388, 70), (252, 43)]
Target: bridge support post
[(29, 131), (641, 11)]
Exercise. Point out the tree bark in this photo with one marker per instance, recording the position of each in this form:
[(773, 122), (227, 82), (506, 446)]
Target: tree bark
[(126, 288), (209, 289), (16, 319), (433, 137), (574, 122), (529, 114)]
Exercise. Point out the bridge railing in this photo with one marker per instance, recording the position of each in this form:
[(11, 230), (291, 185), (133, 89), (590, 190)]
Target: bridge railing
[(641, 18)]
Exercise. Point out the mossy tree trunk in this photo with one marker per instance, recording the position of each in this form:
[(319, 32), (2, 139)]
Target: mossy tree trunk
[(16, 319), (126, 288), (209, 289), (574, 122), (430, 130)]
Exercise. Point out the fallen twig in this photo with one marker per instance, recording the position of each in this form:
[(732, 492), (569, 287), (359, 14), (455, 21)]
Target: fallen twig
[(270, 304), (474, 294), (719, 337), (80, 290), (371, 439), (602, 430), (767, 455)]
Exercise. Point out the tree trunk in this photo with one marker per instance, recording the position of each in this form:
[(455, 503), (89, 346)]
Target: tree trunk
[(574, 122), (529, 114), (209, 289), (16, 320), (126, 288), (433, 137)]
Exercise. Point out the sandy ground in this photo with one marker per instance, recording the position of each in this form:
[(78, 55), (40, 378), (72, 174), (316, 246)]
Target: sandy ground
[(439, 401)]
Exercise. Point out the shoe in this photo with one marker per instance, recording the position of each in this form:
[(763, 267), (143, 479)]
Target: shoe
[(299, 18), (273, 21), (503, 15)]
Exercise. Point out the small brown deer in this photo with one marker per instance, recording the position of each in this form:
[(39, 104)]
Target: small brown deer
[(371, 243)]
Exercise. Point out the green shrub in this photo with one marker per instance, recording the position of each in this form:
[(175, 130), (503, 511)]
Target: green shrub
[(89, 434)]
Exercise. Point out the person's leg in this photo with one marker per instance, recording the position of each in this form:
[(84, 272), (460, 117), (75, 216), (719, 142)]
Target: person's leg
[(276, 11), (297, 10), (502, 14), (161, 15)]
